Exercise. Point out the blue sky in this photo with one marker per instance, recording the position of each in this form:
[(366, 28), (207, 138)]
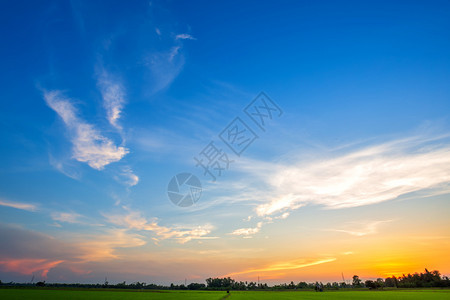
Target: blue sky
[(102, 103)]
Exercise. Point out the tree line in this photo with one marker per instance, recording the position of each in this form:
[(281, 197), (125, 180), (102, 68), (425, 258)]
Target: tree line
[(416, 280)]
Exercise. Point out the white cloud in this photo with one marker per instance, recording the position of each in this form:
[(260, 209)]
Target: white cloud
[(184, 36), (127, 177), (278, 204), (360, 177), (158, 32), (18, 205), (247, 232), (283, 216), (88, 144), (113, 95)]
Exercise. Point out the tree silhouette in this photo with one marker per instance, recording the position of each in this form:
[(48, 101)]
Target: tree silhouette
[(356, 281)]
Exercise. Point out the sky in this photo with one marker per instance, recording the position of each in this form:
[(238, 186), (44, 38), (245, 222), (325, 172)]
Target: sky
[(164, 141)]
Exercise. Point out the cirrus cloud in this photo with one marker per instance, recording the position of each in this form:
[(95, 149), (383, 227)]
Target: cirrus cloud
[(184, 36), (135, 220), (113, 95), (89, 145), (18, 205), (366, 176)]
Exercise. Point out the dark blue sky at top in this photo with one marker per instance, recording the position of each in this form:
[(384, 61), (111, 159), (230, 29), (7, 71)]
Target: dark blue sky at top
[(373, 62)]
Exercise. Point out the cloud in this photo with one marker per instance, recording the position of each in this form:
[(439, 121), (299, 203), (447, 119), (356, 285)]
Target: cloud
[(360, 177), (361, 229), (127, 177), (247, 232), (173, 52), (279, 204), (283, 216), (164, 67), (289, 265), (28, 266), (66, 217), (65, 167), (28, 252), (18, 205), (18, 243), (101, 247), (89, 145), (113, 95), (22, 244), (184, 36), (134, 220)]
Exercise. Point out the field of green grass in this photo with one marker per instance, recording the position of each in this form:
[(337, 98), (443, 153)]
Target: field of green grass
[(217, 295), (369, 295)]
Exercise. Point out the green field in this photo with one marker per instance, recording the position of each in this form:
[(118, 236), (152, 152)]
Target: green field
[(120, 294), (413, 294)]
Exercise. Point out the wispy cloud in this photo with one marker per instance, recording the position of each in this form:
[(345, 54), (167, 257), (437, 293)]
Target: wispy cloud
[(173, 53), (361, 177), (247, 232), (104, 246), (361, 229), (127, 177), (29, 266), (134, 220), (289, 265), (281, 203), (184, 36), (26, 251), (67, 217), (29, 252), (64, 166), (113, 95), (164, 67), (18, 205), (89, 145)]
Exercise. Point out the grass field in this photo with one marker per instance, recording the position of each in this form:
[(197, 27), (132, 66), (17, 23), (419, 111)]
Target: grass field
[(416, 294), (119, 294)]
